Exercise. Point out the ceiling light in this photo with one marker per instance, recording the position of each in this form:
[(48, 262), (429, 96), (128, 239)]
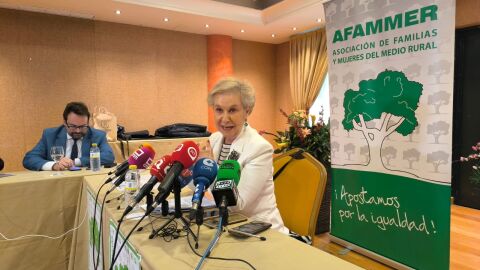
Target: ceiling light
[(294, 29), (273, 35), (243, 31), (319, 20), (165, 19), (207, 26), (117, 12)]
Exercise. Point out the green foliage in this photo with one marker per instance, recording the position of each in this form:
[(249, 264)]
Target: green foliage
[(313, 136), (95, 237), (391, 92)]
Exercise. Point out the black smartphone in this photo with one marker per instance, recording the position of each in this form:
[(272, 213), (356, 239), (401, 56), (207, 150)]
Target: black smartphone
[(253, 227), (232, 219)]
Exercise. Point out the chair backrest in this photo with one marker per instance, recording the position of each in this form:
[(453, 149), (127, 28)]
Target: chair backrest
[(299, 189)]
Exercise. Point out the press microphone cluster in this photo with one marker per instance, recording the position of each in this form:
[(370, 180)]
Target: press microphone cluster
[(166, 171), (183, 157), (157, 171), (142, 157)]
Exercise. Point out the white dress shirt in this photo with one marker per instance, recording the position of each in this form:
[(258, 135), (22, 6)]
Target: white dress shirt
[(48, 166)]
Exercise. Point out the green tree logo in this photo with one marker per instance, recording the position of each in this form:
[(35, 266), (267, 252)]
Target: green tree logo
[(121, 267), (95, 237), (380, 107)]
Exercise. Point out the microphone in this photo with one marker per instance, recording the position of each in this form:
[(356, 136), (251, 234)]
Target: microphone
[(158, 172), (185, 177), (142, 157), (204, 173), (183, 157), (2, 164), (225, 188)]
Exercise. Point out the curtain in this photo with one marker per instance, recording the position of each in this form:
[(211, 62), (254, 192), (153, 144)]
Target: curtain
[(308, 67)]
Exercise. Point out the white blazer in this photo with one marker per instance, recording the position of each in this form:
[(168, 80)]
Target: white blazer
[(256, 197)]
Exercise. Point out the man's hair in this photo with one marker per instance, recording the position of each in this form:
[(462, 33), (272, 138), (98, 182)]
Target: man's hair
[(78, 108)]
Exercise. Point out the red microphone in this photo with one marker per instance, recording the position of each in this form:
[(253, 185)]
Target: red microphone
[(183, 157), (161, 167), (158, 172)]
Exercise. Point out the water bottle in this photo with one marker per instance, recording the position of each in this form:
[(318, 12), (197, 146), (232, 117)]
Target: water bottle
[(132, 182), (95, 158)]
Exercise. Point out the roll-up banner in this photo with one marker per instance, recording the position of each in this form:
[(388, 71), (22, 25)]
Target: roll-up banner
[(391, 97)]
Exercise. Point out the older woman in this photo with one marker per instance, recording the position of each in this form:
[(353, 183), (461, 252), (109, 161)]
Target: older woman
[(233, 101)]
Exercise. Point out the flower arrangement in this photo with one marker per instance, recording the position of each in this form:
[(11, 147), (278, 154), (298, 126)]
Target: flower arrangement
[(308, 132), (475, 159)]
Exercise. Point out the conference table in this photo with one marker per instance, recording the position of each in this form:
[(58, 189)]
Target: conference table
[(39, 214), (34, 203)]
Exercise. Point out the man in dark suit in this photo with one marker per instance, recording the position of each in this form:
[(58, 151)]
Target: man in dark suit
[(76, 137)]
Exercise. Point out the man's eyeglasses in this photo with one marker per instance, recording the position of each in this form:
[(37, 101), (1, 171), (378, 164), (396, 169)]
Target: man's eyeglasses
[(75, 126)]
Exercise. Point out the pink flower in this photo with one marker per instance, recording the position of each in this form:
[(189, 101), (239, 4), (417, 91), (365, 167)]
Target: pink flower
[(306, 132), (475, 148)]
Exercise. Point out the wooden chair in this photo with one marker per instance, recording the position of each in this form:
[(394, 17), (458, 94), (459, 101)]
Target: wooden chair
[(299, 187)]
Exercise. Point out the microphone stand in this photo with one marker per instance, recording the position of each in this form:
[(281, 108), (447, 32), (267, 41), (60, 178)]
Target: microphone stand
[(177, 215), (199, 222), (164, 207)]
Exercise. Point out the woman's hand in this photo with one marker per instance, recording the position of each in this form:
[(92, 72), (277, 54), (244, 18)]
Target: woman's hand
[(206, 150)]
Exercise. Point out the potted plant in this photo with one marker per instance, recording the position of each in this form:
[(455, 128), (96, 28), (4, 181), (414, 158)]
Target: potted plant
[(475, 159), (312, 134)]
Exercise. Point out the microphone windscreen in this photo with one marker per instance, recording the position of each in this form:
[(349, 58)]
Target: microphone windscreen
[(229, 170), (205, 168), (142, 157), (160, 167), (186, 153), (185, 177), (2, 164)]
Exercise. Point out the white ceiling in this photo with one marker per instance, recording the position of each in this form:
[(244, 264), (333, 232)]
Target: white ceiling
[(192, 15)]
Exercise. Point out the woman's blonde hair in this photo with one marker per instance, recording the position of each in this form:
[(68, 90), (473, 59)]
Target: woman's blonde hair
[(232, 85)]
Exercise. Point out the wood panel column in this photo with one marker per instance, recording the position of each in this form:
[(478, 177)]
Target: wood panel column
[(219, 65)]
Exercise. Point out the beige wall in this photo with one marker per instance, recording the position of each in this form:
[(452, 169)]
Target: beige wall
[(147, 77), (255, 62), (467, 13)]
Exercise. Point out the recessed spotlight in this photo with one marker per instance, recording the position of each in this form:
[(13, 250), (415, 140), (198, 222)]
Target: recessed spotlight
[(118, 12), (243, 31), (207, 26), (165, 19), (294, 29), (319, 20), (273, 35)]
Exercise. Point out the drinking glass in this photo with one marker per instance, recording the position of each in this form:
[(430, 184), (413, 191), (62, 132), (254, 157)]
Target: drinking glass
[(57, 153)]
